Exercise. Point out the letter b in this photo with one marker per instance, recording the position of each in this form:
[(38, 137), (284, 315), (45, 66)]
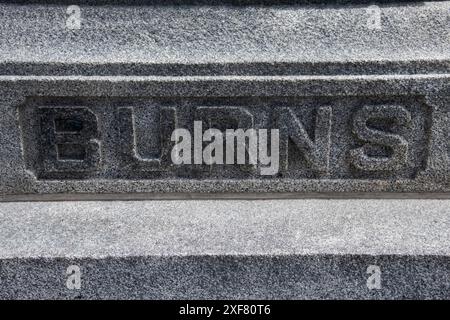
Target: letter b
[(69, 140)]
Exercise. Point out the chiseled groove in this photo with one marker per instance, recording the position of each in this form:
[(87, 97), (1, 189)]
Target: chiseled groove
[(276, 68), (220, 196), (211, 2), (227, 78)]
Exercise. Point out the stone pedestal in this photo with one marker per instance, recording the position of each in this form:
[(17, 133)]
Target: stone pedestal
[(350, 202)]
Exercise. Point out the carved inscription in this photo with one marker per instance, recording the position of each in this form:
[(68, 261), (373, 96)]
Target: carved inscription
[(396, 144), (131, 156), (322, 138), (316, 151), (69, 140)]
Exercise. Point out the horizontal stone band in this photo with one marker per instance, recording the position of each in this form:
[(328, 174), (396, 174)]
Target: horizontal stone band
[(275, 249), (422, 167), (351, 106)]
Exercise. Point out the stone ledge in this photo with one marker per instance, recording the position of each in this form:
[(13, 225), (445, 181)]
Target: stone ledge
[(280, 249), (228, 277), (98, 229)]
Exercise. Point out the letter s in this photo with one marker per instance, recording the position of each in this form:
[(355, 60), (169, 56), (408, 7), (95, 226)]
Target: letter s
[(395, 142)]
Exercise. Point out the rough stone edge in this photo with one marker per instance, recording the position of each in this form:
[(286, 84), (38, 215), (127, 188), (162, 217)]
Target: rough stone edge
[(229, 277), (99, 229)]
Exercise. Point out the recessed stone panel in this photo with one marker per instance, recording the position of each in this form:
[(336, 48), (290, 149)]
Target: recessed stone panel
[(357, 137)]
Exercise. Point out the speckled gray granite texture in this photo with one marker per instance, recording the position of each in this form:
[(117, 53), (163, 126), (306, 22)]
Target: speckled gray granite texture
[(358, 89), (230, 249), (361, 104)]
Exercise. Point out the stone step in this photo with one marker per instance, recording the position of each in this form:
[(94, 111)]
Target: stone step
[(229, 249)]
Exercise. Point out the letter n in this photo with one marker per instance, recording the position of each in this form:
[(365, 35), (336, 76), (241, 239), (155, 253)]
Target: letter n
[(316, 150)]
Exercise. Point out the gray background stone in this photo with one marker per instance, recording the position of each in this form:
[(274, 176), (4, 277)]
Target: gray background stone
[(224, 227), (250, 55), (280, 249), (224, 52)]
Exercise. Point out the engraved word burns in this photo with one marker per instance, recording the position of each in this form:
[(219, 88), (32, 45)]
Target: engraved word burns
[(347, 139)]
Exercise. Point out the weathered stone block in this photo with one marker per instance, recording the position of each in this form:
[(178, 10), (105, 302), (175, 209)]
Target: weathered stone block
[(360, 110), (354, 95)]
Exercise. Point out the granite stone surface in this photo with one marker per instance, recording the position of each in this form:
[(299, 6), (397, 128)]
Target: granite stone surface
[(88, 109), (199, 249), (89, 98), (285, 277)]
